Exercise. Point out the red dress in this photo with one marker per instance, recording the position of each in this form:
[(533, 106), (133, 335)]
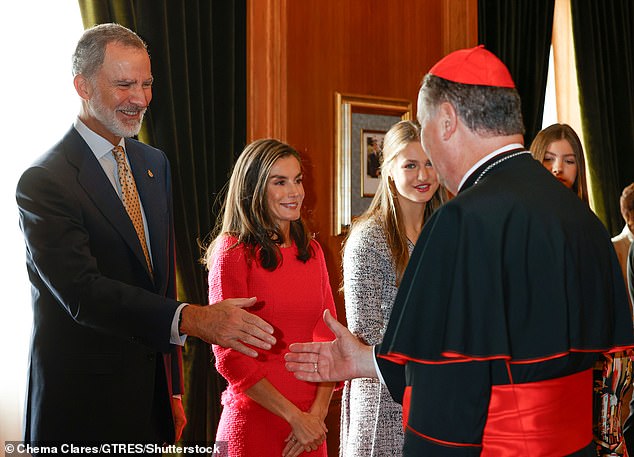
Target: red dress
[(292, 298)]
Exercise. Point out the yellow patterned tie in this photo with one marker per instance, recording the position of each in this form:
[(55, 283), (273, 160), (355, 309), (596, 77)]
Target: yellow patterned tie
[(130, 198)]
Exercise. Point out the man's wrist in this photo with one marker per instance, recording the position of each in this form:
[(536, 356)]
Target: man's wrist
[(185, 321), (180, 321)]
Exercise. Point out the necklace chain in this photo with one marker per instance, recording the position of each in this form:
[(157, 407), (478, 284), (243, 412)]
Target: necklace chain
[(496, 163)]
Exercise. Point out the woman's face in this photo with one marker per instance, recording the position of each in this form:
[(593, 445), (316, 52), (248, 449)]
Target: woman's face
[(285, 191), (560, 160), (414, 177)]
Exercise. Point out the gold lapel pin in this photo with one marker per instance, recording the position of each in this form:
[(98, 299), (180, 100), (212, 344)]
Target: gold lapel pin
[(150, 174)]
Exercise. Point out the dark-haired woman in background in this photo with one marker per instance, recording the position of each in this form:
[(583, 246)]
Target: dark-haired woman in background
[(559, 149)]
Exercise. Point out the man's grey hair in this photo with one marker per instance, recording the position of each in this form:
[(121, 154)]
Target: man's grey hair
[(486, 110), (91, 47)]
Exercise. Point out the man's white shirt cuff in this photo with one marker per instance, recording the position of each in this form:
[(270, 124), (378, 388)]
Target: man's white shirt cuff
[(176, 337)]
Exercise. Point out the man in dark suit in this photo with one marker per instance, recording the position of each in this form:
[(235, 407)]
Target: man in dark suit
[(96, 213)]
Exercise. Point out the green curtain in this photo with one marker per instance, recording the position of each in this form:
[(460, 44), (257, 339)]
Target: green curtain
[(604, 47), (198, 117), (519, 32)]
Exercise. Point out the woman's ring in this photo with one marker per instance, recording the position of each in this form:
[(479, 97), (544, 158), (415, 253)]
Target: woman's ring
[(315, 367)]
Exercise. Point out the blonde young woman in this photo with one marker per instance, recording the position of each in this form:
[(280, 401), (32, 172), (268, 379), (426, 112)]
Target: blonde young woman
[(263, 249), (375, 255)]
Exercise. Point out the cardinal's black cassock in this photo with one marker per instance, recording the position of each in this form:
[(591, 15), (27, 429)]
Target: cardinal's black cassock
[(512, 293)]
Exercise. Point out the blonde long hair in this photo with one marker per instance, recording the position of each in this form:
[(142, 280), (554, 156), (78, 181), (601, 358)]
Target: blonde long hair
[(384, 208), (245, 212)]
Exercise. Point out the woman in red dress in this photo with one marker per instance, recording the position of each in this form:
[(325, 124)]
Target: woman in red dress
[(263, 249)]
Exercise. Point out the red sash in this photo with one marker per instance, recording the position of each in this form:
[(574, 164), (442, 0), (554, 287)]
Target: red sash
[(546, 418)]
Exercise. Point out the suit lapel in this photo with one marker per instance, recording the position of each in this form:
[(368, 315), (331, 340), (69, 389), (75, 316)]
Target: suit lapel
[(99, 189)]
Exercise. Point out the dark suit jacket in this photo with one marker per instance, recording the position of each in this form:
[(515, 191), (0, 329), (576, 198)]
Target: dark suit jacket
[(101, 365)]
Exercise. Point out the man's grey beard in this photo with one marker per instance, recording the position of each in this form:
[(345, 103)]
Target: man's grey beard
[(109, 120)]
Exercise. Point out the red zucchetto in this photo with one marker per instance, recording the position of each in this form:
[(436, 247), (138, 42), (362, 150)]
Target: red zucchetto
[(473, 66)]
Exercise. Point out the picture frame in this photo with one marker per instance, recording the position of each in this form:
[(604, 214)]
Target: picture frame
[(359, 118), (371, 146)]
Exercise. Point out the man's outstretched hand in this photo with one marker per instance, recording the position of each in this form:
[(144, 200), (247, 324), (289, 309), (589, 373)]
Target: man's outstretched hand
[(225, 323), (343, 358)]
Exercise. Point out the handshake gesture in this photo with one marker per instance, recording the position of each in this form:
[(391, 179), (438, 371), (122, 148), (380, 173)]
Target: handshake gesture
[(346, 357)]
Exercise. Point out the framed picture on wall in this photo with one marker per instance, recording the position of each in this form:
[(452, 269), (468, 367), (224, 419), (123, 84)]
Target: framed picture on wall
[(361, 124), (371, 160)]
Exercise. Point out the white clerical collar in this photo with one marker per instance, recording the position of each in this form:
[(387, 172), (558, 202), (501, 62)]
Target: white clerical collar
[(97, 144), (486, 158)]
